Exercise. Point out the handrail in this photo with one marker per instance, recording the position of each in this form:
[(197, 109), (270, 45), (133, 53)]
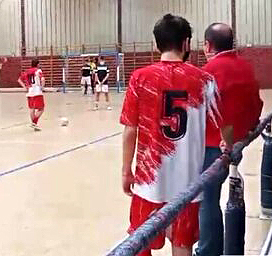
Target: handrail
[(158, 222), (267, 247)]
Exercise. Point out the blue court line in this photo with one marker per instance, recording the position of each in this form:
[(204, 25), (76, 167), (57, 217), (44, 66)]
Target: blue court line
[(58, 154), (14, 125)]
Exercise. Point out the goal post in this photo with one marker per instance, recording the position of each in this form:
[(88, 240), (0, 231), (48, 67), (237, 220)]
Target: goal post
[(73, 63)]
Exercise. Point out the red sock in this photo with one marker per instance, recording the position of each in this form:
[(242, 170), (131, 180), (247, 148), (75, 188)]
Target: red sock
[(35, 120)]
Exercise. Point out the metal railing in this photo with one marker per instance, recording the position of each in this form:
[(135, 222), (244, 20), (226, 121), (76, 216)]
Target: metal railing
[(267, 247), (142, 237)]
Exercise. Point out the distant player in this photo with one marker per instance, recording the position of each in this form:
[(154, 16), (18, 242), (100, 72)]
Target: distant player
[(101, 76), (96, 61), (33, 81), (164, 113), (93, 68), (86, 76)]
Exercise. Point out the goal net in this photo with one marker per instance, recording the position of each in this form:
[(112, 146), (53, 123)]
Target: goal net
[(72, 64)]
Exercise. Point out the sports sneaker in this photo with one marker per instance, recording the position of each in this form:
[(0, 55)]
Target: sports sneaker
[(109, 108), (95, 108), (32, 125), (37, 128)]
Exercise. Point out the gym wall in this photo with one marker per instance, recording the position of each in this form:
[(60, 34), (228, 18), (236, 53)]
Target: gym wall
[(76, 22)]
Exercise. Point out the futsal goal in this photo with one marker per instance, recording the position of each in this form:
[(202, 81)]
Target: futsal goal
[(72, 64)]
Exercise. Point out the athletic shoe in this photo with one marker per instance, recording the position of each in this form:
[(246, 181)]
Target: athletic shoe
[(32, 125), (109, 108), (95, 108), (37, 128)]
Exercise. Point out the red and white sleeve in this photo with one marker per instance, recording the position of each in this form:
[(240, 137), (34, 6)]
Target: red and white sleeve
[(130, 112)]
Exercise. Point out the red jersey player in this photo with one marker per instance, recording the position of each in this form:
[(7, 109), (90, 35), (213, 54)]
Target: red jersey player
[(165, 112), (33, 81)]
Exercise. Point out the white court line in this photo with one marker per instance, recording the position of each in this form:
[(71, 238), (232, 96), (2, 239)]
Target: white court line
[(21, 167)]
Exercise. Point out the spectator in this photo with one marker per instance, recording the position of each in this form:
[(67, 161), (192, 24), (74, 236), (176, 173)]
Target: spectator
[(240, 107)]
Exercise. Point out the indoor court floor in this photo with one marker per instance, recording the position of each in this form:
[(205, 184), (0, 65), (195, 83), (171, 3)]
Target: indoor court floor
[(60, 189)]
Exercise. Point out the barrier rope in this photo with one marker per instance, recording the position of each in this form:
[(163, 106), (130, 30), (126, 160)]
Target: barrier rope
[(160, 220)]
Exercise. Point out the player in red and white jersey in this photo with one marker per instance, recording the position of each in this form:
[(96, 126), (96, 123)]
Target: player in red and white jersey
[(33, 81), (165, 111)]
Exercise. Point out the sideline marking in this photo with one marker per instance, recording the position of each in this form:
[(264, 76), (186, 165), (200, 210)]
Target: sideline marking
[(4, 173)]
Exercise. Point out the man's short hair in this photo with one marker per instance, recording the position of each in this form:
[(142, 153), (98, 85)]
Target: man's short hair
[(221, 40), (34, 63), (170, 32)]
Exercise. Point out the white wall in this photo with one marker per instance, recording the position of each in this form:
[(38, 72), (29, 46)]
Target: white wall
[(70, 22), (139, 16), (9, 27), (254, 22), (77, 22)]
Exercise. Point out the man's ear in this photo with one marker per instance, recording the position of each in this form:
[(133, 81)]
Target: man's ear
[(207, 47), (186, 45), (156, 49), (186, 49)]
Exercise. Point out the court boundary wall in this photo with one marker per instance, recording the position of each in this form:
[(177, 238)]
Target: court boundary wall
[(136, 55)]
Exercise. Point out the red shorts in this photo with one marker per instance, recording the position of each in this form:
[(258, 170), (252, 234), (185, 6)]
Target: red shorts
[(36, 102), (184, 231)]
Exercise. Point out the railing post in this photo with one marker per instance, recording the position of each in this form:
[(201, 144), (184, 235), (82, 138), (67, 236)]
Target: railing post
[(134, 52), (198, 53), (117, 48), (119, 24), (233, 20), (51, 65), (23, 29), (36, 51), (66, 50), (152, 53)]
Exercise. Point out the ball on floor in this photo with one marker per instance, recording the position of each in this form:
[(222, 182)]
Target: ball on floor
[(64, 121)]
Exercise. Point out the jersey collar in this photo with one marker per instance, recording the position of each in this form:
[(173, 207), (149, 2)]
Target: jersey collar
[(225, 53)]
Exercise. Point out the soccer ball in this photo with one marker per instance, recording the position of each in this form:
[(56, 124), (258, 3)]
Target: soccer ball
[(64, 121)]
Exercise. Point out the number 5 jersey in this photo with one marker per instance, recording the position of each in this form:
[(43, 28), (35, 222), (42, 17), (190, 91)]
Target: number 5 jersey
[(169, 102)]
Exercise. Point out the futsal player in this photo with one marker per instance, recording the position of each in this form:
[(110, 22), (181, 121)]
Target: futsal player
[(33, 81), (86, 76), (164, 112), (101, 76), (93, 68)]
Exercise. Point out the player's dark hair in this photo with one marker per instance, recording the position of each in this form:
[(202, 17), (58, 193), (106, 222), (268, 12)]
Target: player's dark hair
[(101, 58), (170, 32), (221, 40), (34, 63)]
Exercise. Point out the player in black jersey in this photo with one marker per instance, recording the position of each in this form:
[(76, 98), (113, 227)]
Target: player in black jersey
[(101, 76), (86, 76)]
